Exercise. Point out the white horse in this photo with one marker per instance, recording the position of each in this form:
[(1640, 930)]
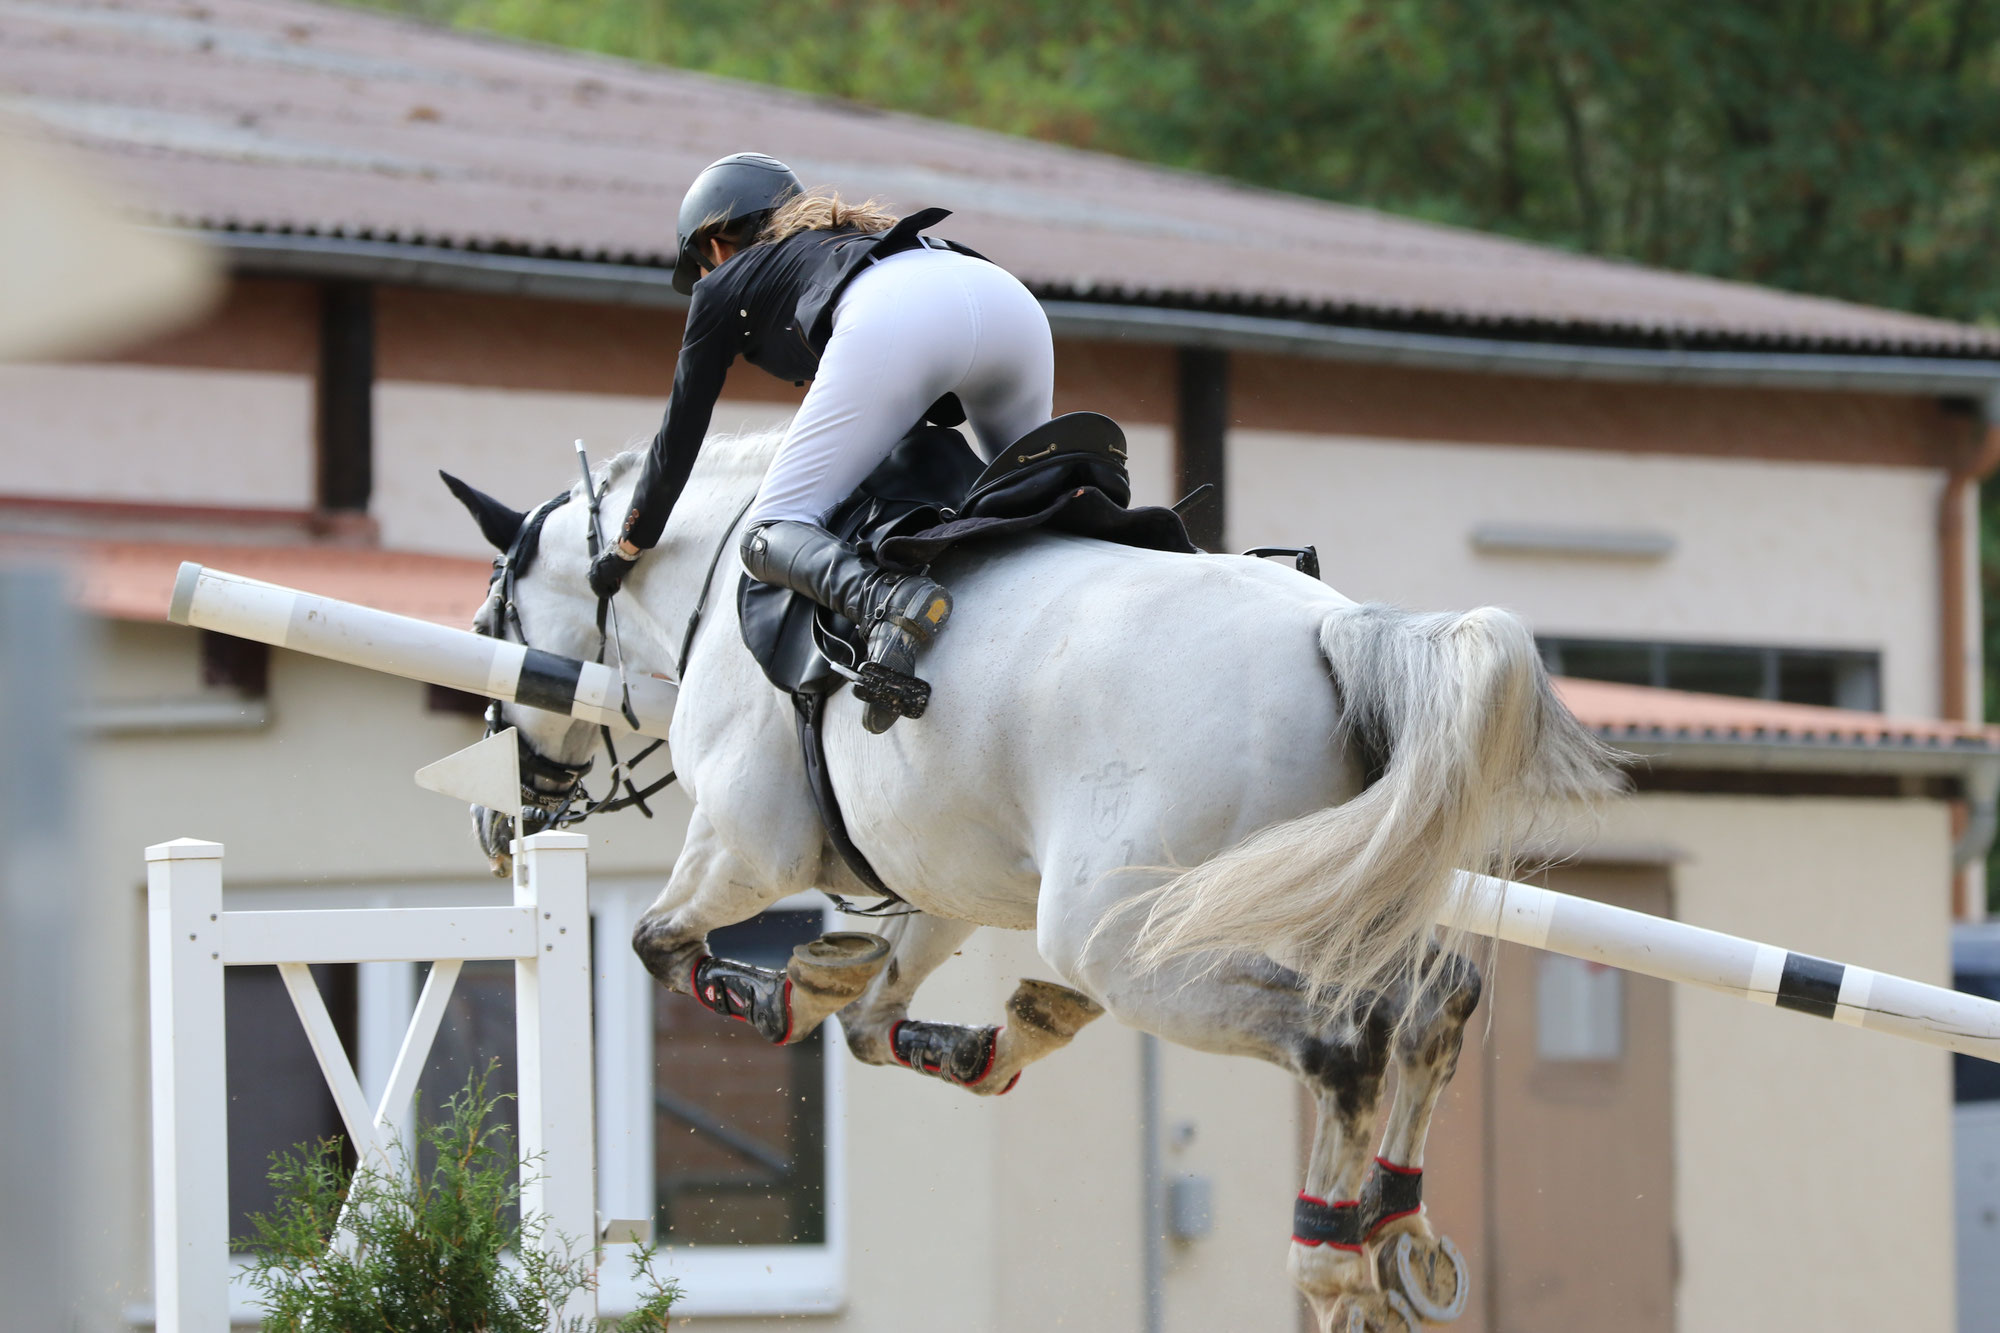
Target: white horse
[(1103, 717)]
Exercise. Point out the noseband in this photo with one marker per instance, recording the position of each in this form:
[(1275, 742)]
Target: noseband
[(552, 792)]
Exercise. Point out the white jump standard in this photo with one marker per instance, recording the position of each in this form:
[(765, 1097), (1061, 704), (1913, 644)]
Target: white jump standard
[(191, 938)]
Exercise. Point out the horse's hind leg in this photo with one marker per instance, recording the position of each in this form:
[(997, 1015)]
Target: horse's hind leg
[(1408, 1256), (713, 886), (1255, 1007), (1042, 1016), (1344, 1067)]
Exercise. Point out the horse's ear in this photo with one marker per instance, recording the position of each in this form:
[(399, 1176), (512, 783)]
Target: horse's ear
[(499, 524)]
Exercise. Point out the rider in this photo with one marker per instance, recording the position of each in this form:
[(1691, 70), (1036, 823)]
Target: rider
[(885, 322)]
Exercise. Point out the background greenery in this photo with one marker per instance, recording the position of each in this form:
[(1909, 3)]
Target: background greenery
[(1849, 148)]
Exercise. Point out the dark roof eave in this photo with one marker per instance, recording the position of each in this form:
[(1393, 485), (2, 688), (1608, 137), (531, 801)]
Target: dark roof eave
[(614, 283), (1973, 761)]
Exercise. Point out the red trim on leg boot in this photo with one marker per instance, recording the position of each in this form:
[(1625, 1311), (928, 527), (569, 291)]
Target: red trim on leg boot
[(992, 1054)]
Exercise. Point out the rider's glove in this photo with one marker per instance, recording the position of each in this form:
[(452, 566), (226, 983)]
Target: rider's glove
[(608, 571)]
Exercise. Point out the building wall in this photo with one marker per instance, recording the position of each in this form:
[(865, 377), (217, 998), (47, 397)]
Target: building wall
[(1783, 1122), (1780, 1122), (1804, 519), (1787, 554), (1801, 519)]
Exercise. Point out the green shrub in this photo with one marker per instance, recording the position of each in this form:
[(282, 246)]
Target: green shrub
[(400, 1250)]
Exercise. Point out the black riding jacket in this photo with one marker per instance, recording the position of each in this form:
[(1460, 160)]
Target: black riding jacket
[(771, 304)]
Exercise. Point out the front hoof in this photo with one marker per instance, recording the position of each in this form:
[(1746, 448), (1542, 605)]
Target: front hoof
[(1370, 1312), (1428, 1272), (830, 972)]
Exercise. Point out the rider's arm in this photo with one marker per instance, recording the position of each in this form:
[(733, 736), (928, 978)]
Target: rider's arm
[(704, 362)]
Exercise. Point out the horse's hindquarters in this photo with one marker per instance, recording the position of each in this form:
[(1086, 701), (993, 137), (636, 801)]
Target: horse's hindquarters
[(1093, 708)]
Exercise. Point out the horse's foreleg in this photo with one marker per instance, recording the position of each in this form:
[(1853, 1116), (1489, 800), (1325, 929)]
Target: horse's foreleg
[(1408, 1256), (713, 886), (1042, 1016)]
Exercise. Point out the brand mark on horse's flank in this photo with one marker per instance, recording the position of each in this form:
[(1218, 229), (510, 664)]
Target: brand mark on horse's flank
[(1110, 796)]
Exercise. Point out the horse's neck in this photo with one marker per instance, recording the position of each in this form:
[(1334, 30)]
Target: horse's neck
[(697, 548)]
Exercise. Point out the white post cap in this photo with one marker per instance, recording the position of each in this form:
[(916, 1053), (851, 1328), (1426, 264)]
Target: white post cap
[(184, 849)]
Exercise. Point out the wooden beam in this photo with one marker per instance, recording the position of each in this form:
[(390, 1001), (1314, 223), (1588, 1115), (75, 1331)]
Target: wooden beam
[(346, 397), (1201, 430)]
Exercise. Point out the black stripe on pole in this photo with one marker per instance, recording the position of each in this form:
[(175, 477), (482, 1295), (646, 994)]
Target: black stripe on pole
[(548, 681), (1810, 985)]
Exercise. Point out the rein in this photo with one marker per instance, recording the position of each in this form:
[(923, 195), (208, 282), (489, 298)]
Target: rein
[(552, 788)]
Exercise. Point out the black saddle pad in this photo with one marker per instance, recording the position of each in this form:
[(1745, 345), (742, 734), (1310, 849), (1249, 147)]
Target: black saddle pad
[(932, 493)]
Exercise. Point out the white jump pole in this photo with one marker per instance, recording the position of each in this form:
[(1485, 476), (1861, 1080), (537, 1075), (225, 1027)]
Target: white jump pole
[(1761, 973), (415, 649), (191, 938)]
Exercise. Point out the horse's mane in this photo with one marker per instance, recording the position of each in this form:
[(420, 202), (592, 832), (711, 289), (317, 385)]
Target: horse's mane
[(723, 460)]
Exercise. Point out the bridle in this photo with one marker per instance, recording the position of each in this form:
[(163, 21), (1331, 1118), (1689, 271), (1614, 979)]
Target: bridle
[(552, 792)]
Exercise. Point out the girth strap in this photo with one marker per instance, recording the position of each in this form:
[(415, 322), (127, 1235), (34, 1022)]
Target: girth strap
[(812, 744)]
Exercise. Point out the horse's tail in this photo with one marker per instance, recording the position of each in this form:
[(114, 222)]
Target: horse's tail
[(1464, 744)]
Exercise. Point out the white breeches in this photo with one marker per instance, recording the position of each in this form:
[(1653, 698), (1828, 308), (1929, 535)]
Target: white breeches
[(907, 331)]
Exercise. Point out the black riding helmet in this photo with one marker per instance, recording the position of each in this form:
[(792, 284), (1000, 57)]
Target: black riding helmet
[(729, 192)]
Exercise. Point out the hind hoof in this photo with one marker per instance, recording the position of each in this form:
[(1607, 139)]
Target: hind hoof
[(1056, 1010), (1042, 1017), (1370, 1312), (1428, 1272)]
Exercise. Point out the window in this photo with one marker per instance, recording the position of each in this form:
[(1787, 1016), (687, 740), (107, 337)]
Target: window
[(1830, 678), (1579, 1009)]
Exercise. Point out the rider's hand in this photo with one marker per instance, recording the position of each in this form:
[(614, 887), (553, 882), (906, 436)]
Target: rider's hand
[(608, 571)]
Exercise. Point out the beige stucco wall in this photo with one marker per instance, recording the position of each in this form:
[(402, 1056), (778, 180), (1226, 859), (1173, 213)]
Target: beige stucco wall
[(157, 435), (1788, 554), (1792, 1134), (516, 445)]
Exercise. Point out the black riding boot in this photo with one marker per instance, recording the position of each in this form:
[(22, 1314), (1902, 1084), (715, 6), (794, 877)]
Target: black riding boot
[(899, 613)]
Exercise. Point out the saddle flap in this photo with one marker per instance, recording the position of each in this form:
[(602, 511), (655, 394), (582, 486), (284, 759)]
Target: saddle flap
[(925, 474)]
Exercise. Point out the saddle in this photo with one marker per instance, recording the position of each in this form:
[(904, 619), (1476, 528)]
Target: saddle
[(931, 495), (928, 497)]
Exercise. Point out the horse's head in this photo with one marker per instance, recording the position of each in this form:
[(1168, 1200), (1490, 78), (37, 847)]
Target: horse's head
[(539, 596)]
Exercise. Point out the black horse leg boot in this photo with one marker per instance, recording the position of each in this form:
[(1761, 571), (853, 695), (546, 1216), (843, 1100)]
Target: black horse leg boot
[(900, 613)]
